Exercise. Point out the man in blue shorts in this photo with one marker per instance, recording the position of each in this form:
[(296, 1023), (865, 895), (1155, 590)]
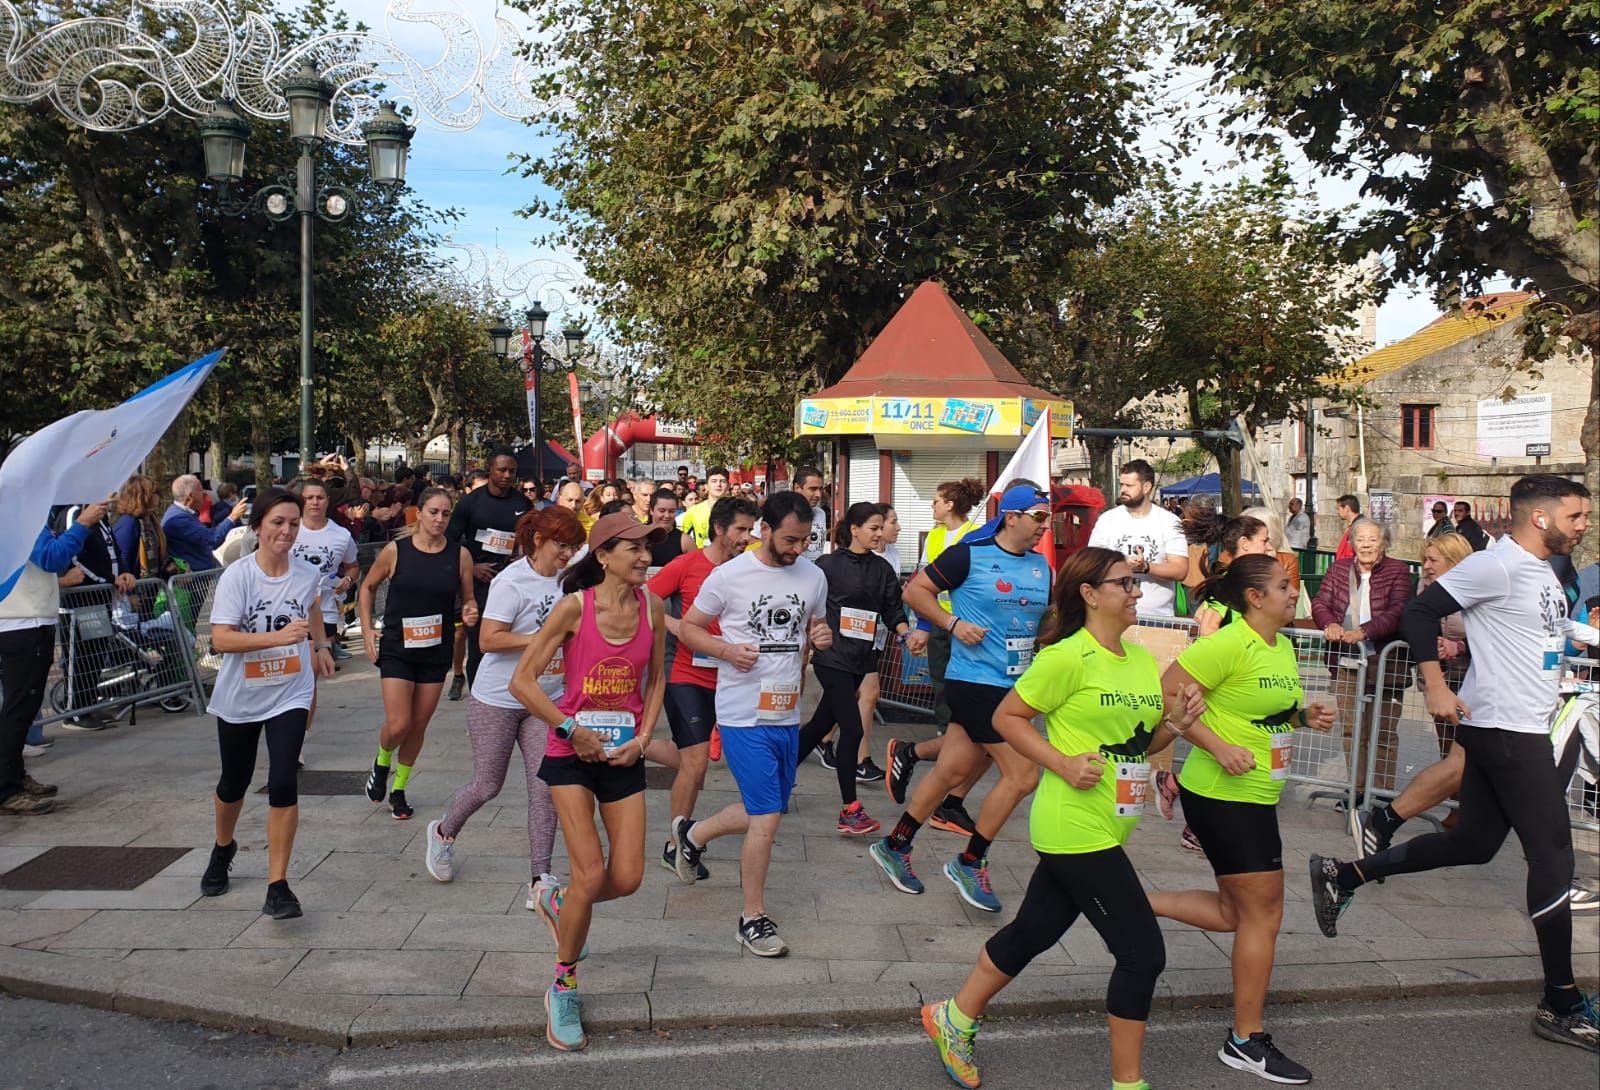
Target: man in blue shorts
[(771, 604)]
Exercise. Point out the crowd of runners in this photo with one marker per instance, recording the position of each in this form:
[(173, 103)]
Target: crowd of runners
[(572, 622)]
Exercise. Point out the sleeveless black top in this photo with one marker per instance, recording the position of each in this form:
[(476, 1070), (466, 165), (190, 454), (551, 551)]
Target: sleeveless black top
[(421, 606)]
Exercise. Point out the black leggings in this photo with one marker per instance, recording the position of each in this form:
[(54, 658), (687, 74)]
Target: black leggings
[(286, 733), (1104, 887), (1510, 782), (838, 705)]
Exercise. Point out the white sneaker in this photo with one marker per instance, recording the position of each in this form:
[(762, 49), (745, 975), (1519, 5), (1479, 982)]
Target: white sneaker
[(31, 752), (440, 853)]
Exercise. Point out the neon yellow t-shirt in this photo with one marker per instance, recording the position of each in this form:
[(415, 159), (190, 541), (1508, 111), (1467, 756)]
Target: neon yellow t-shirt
[(940, 538), (1252, 696), (697, 521), (1092, 700)]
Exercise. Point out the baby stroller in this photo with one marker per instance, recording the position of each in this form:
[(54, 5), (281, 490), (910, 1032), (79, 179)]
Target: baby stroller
[(108, 653)]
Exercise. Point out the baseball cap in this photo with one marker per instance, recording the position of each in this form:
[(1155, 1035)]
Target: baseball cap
[(623, 525), (1022, 497)]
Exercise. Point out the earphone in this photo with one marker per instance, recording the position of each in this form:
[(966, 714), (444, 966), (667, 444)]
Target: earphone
[(1541, 524)]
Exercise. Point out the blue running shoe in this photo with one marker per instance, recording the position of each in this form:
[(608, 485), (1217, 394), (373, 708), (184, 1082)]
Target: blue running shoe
[(897, 865), (563, 1012), (548, 900), (973, 883)]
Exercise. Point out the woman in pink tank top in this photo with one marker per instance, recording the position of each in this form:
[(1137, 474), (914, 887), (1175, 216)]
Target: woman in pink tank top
[(610, 632)]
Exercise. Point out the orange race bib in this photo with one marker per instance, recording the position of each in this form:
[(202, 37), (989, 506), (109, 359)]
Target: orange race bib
[(271, 666), (858, 624), (497, 541), (557, 666), (778, 700), (1282, 754), (1132, 784), (423, 631)]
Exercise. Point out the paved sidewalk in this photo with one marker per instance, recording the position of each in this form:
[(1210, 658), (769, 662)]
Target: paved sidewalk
[(385, 953)]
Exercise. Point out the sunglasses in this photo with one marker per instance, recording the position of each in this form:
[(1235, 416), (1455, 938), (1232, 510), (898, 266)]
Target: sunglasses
[(530, 491), (1128, 583), (1036, 516)]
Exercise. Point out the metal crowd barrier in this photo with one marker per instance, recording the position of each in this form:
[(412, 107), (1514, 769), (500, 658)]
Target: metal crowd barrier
[(903, 680), (117, 652), (191, 594), (366, 556)]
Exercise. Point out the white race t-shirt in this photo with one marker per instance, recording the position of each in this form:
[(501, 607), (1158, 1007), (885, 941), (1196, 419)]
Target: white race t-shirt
[(523, 599), (327, 550), (1516, 620), (771, 608), (817, 544), (891, 553), (1156, 537), (253, 686)]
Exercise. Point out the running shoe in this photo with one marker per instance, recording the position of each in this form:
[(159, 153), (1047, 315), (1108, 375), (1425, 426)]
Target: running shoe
[(214, 882), (897, 865), (31, 786), (1328, 901), (25, 805), (715, 750), (31, 752), (563, 1025), (826, 758), (458, 685), (953, 819), (1369, 838), (1166, 791), (1261, 1057), (548, 899), (1580, 1028), (1189, 842), (281, 904), (399, 809), (378, 783), (855, 821), (954, 1045), (669, 860), (688, 856), (901, 757), (972, 882), (440, 856), (1583, 900), (339, 651), (760, 937), (867, 772)]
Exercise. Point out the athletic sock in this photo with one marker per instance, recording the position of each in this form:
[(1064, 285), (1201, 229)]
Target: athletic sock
[(566, 976), (961, 1020), (385, 756), (1349, 878), (953, 802), (402, 776), (905, 830), (1140, 1085), (1237, 1039), (1563, 1000), (1387, 821), (977, 848)]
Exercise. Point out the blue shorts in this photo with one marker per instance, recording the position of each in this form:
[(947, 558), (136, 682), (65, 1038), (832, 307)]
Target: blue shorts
[(762, 760)]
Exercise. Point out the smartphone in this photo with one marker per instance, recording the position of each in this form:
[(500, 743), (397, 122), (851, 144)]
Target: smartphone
[(249, 491)]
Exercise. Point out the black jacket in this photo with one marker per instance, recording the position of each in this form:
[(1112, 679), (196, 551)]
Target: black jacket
[(1469, 529), (862, 581)]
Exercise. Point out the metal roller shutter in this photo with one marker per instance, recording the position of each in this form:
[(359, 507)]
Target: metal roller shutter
[(863, 485), (917, 474)]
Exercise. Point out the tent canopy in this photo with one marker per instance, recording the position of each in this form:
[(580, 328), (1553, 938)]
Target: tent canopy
[(556, 460), (1207, 484)]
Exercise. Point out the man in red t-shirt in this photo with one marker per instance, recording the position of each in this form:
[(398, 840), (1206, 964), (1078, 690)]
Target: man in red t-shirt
[(692, 683), (1349, 509)]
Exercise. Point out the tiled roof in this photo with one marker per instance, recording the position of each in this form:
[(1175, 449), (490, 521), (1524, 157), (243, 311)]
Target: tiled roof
[(1476, 317)]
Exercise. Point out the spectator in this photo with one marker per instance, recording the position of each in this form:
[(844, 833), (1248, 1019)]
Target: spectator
[(1440, 523), (1297, 531), (1349, 509), (1275, 542), (188, 541), (1468, 527), (141, 543)]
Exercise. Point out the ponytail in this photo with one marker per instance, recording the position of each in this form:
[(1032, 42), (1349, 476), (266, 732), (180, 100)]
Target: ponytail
[(1227, 584)]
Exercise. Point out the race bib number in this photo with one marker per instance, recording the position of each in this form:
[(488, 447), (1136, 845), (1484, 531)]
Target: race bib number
[(500, 542), (858, 624), (1282, 754), (1019, 655), (557, 666), (271, 666), (1132, 785), (1550, 658), (423, 631), (704, 661), (778, 701), (614, 729)]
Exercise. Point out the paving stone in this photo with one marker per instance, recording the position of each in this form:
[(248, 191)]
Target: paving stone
[(427, 895), (524, 931), (739, 969), (156, 893), (158, 930), (816, 1004), (429, 1018), (716, 902), (506, 973), (316, 895), (34, 924), (318, 930), (255, 968), (250, 861), (394, 972)]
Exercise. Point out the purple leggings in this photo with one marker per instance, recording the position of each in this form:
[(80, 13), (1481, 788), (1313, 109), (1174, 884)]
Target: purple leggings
[(493, 731)]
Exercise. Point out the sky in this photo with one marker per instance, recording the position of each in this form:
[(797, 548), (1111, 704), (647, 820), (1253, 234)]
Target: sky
[(470, 171)]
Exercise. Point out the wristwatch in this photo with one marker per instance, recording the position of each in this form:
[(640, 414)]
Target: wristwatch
[(564, 728)]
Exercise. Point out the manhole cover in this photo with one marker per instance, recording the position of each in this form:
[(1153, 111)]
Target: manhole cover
[(328, 782), (91, 868), (657, 778)]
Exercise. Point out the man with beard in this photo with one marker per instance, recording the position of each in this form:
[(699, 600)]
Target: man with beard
[(1150, 537)]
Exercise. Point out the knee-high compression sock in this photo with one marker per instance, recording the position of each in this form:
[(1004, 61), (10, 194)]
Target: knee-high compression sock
[(402, 776)]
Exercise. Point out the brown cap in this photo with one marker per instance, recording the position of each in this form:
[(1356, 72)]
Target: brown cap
[(624, 525)]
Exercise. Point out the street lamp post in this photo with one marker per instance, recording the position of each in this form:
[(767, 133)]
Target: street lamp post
[(223, 133), (531, 361)]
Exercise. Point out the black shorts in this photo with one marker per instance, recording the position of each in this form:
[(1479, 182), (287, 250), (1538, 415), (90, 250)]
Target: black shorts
[(409, 666), (973, 706), (607, 783), (1238, 837), (691, 713)]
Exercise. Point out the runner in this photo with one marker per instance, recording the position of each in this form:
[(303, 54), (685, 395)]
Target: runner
[(998, 592), (692, 684), (1516, 622), (426, 573), (808, 482), (1104, 713), (1230, 786), (485, 521), (664, 513), (770, 604), (329, 548), (610, 634), (697, 519), (520, 600), (953, 501), (266, 625), (863, 604)]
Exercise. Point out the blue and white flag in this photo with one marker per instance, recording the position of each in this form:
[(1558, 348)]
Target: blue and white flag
[(85, 457)]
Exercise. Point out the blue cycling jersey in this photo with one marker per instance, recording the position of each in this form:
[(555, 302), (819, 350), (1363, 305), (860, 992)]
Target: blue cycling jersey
[(1000, 591)]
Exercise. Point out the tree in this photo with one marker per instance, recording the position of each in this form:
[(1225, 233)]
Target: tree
[(754, 188)]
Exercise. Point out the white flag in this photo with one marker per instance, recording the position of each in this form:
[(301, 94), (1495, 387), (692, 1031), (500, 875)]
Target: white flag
[(85, 457), (1031, 462)]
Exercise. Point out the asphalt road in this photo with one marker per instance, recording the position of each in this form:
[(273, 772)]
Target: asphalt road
[(1483, 1043)]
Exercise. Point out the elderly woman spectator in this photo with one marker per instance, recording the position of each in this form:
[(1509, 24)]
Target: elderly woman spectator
[(1358, 608)]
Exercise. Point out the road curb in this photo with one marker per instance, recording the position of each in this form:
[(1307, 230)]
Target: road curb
[(360, 1021)]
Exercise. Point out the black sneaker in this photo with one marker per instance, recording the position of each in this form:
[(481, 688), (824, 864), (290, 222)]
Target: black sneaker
[(953, 819), (1580, 1028), (1328, 901), (1371, 836), (867, 772), (281, 903), (669, 860), (686, 859), (398, 807), (214, 882), (378, 783), (901, 757), (825, 757), (458, 685), (1260, 1056)]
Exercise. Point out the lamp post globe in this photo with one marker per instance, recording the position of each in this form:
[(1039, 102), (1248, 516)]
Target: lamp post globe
[(500, 338), (537, 317), (309, 97), (388, 140), (223, 134), (573, 335)]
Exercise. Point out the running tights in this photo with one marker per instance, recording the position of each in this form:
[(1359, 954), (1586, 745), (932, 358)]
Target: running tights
[(493, 732), (238, 742), (838, 705), (1511, 782), (1102, 886)]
